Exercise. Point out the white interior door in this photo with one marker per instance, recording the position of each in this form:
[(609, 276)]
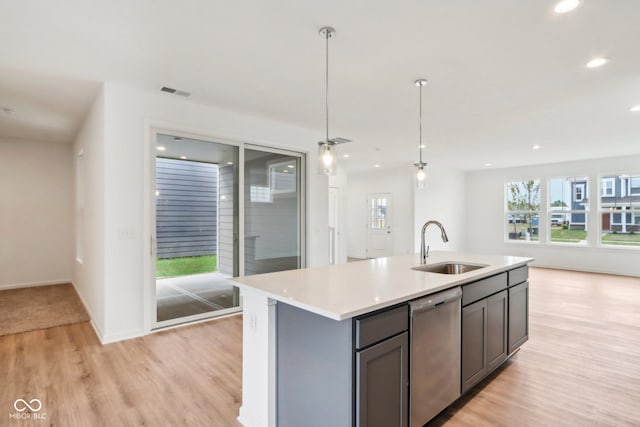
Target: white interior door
[(379, 233)]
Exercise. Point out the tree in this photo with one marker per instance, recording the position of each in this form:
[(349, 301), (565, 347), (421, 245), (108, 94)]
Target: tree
[(524, 198), (558, 203)]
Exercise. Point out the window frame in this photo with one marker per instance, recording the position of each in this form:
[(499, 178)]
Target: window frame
[(628, 208), (533, 213), (574, 182)]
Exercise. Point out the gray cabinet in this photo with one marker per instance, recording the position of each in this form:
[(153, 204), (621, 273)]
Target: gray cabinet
[(382, 378), (484, 338), (496, 329), (495, 322), (518, 315), (474, 332)]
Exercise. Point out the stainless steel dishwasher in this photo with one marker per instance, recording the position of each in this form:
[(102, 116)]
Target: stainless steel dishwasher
[(435, 354)]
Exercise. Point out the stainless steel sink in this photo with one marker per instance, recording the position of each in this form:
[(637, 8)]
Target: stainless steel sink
[(449, 267)]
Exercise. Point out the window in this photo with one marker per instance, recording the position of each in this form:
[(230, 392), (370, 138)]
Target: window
[(620, 210), (568, 209), (378, 213), (578, 193), (607, 189), (523, 210), (282, 176)]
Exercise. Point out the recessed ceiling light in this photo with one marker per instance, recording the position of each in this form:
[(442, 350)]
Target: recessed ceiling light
[(229, 163), (376, 165), (285, 170), (635, 108), (597, 62), (183, 157), (346, 156), (535, 147), (160, 148), (487, 164), (421, 146), (290, 166), (566, 6)]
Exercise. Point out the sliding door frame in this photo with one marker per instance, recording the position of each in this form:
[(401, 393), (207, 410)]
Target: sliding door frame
[(152, 129)]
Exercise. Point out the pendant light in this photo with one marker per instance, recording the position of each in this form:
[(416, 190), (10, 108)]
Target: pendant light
[(327, 148), (421, 174)]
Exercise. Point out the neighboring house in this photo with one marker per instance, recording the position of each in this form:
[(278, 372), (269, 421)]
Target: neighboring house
[(579, 201), (619, 194), (187, 208)]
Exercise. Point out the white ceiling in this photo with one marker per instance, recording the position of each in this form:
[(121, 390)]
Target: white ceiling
[(503, 74)]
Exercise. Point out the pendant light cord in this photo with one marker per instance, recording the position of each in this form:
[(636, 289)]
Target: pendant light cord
[(420, 143), (326, 85)]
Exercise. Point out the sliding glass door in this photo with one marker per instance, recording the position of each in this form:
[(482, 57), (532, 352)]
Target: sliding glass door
[(196, 229), (220, 211), (273, 191)]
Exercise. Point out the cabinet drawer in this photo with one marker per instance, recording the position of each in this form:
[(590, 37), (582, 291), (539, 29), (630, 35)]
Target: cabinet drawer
[(379, 326), (483, 288), (518, 275)]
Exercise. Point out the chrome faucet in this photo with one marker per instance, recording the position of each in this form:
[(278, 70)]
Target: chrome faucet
[(424, 253)]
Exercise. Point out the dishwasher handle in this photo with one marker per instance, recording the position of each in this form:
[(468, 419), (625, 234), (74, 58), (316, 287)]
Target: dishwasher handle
[(433, 301)]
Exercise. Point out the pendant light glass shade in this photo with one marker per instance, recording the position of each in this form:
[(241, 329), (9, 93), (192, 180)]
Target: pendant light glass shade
[(328, 158), (421, 173), (421, 177)]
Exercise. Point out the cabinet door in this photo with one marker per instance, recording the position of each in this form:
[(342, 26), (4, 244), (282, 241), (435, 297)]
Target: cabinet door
[(382, 380), (496, 329), (474, 350), (518, 316)]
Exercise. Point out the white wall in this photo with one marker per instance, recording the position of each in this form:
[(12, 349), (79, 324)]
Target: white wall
[(36, 236), (442, 199), (88, 274), (398, 182), (485, 219), (128, 115)]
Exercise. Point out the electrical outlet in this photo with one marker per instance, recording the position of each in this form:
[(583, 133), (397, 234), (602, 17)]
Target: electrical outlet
[(126, 234)]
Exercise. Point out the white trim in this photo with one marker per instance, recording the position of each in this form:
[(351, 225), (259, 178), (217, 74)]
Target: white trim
[(122, 336), (583, 270), (89, 312), (34, 284), (195, 318), (196, 321)]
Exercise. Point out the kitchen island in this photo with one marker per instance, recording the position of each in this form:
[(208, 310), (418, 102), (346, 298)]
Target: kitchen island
[(304, 333)]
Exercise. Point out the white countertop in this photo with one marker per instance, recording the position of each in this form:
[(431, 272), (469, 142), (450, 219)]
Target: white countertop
[(344, 291)]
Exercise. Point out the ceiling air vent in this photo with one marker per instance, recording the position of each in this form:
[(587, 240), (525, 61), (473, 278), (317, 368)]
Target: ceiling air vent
[(174, 91), (339, 140)]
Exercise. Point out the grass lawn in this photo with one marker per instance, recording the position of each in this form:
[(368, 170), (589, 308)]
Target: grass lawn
[(569, 236), (172, 267), (621, 239)]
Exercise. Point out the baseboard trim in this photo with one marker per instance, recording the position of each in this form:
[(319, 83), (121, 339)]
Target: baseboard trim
[(34, 284), (121, 336), (92, 317), (585, 270)]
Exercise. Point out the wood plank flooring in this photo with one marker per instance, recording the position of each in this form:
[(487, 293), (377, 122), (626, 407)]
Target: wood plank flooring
[(189, 376), (580, 367)]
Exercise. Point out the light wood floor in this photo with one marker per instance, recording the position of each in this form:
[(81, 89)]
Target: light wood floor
[(581, 367)]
